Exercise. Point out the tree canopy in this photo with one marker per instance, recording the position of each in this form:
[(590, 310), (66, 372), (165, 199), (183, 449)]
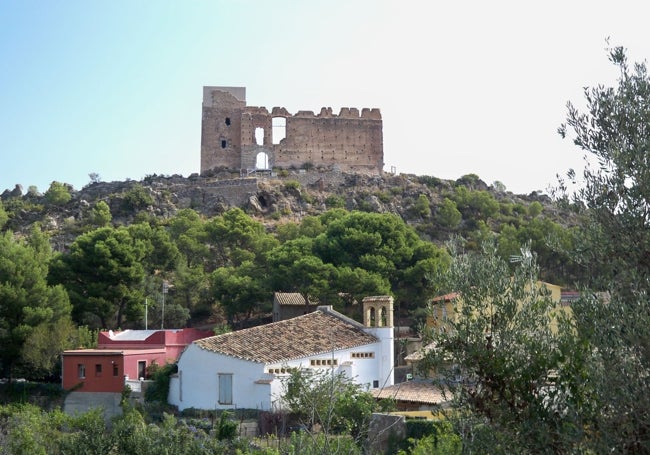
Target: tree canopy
[(103, 273), (613, 246), (29, 308), (500, 356)]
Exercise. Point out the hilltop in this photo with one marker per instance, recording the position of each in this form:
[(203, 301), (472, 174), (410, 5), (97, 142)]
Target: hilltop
[(287, 195)]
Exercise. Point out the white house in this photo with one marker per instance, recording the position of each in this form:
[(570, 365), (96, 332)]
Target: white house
[(245, 369)]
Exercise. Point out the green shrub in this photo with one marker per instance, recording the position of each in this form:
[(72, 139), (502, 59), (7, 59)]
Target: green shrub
[(292, 185), (305, 443), (535, 209), (335, 201), (431, 437), (158, 390), (226, 428), (100, 215), (422, 206), (449, 214), (58, 194), (429, 181), (137, 198)]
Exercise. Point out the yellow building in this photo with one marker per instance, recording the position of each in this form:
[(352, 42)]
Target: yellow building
[(443, 307)]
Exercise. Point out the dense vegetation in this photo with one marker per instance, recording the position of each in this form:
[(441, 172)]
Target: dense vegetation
[(522, 376), (114, 260)]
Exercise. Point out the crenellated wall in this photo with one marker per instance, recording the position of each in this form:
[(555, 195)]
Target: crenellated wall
[(234, 135)]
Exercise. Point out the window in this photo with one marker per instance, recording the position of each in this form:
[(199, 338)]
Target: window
[(224, 143), (375, 384), (323, 362), (259, 136), (81, 370), (281, 370), (116, 370), (225, 388), (228, 121), (98, 369), (363, 355), (180, 385), (279, 129)]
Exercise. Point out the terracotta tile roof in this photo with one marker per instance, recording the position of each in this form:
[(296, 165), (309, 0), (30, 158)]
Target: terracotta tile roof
[(446, 297), (411, 391), (420, 353), (321, 331), (292, 298)]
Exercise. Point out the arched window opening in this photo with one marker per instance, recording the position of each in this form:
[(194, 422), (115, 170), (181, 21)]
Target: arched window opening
[(259, 136), (372, 318), (262, 161), (279, 129), (383, 322)]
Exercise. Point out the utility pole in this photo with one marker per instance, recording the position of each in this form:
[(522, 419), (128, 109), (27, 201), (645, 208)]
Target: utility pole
[(165, 287), (146, 312)]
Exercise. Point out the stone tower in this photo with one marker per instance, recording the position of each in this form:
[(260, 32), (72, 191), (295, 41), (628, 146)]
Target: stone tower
[(237, 136)]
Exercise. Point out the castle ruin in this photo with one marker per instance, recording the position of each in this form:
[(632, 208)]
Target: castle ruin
[(237, 136)]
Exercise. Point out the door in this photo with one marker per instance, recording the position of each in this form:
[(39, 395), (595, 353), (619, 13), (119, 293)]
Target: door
[(142, 368)]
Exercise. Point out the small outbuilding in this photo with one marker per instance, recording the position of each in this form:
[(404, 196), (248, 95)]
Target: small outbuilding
[(124, 355)]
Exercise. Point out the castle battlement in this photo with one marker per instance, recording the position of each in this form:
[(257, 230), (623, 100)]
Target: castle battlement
[(237, 136)]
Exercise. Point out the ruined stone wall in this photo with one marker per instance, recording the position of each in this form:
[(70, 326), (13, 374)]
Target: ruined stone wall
[(349, 141)]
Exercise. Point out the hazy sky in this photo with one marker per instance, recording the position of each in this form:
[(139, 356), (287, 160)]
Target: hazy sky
[(114, 87)]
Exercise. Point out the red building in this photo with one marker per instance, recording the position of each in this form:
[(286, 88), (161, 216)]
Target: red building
[(120, 356)]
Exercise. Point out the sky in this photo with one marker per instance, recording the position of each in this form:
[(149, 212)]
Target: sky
[(115, 87)]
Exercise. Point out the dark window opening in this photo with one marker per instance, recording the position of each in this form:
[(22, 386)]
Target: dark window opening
[(81, 370), (228, 121), (98, 369), (224, 143), (115, 370), (375, 384)]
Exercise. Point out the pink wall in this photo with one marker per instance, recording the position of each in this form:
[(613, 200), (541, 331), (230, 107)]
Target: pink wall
[(104, 368)]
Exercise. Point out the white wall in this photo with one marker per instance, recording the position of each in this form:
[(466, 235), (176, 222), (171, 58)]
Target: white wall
[(198, 371), (387, 358)]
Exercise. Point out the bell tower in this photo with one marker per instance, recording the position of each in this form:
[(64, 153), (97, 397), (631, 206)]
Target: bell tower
[(378, 311), (378, 321)]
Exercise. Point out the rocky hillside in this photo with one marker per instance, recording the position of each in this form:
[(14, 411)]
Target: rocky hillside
[(272, 198), (436, 209), (288, 195)]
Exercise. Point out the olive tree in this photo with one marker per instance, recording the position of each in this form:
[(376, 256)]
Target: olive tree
[(501, 357), (614, 249)]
